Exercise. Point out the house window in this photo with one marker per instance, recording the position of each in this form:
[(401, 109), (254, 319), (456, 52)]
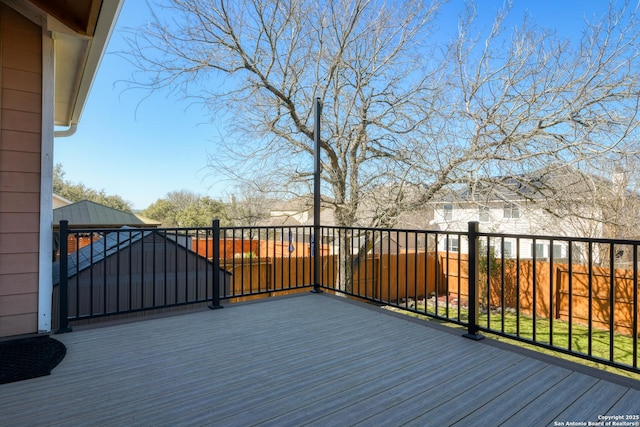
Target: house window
[(537, 250), (511, 210), (454, 244), (483, 213), (557, 251), (448, 212), (507, 249)]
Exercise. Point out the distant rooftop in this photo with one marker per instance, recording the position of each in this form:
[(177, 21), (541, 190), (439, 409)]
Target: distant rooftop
[(90, 214)]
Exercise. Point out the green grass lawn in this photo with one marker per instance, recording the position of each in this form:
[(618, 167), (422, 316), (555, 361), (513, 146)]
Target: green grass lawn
[(508, 323)]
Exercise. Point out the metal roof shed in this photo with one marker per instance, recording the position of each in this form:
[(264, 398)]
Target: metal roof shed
[(133, 271), (85, 214)]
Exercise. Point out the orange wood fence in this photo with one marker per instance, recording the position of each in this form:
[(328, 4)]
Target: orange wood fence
[(514, 282), (275, 274)]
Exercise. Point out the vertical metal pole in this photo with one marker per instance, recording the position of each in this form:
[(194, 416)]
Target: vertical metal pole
[(215, 300), (472, 327), (63, 324), (316, 197)]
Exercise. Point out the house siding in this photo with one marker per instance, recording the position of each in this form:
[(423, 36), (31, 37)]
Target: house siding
[(20, 142)]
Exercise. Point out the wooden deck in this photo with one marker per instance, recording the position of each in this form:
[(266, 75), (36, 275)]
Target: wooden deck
[(304, 360)]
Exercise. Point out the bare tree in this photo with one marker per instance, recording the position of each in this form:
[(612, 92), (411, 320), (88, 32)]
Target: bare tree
[(402, 111), (250, 203), (522, 99), (262, 63)]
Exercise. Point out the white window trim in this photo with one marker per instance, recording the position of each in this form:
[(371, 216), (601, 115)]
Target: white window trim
[(509, 208)]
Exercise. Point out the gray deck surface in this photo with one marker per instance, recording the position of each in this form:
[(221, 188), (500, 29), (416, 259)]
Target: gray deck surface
[(303, 360)]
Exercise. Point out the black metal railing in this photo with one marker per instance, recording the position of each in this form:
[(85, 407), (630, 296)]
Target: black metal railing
[(574, 295), (115, 272)]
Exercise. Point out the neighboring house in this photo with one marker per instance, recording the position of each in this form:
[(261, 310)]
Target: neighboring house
[(297, 212), (151, 223), (59, 201), (294, 213), (49, 54), (558, 201), (394, 206)]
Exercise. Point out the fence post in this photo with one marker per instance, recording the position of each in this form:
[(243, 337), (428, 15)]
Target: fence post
[(63, 294), (472, 326), (215, 301)]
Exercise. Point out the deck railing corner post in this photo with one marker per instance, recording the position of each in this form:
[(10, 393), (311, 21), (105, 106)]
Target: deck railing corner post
[(215, 237), (63, 303), (474, 244)]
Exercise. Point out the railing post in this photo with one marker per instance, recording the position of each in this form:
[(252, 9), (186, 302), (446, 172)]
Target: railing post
[(63, 294), (474, 244), (215, 301), (316, 197)]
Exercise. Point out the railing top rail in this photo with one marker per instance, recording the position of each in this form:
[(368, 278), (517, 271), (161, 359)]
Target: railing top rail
[(193, 230), (394, 230), (562, 238), (268, 227), (127, 229)]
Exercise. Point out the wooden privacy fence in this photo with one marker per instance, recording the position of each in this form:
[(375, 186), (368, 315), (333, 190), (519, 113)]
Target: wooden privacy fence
[(237, 248), (228, 247), (512, 285), (251, 276), (601, 297), (395, 277)]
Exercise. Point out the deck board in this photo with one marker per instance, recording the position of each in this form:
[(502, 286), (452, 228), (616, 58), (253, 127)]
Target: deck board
[(301, 360), (605, 394), (629, 404), (514, 399), (572, 386)]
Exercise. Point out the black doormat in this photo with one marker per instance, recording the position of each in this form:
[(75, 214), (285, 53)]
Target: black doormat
[(25, 358)]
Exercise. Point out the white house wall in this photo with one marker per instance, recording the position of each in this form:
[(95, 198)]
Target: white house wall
[(513, 248), (531, 221)]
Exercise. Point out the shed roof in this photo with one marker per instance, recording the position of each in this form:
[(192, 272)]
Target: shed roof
[(86, 213), (110, 244), (99, 250)]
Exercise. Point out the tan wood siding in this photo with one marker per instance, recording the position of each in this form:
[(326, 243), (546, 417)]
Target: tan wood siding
[(20, 79), (20, 142), (17, 202), (19, 222), (14, 324), (19, 100), (23, 183), (20, 283)]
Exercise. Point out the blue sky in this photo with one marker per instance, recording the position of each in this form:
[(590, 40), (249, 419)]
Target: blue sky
[(143, 149), (137, 149)]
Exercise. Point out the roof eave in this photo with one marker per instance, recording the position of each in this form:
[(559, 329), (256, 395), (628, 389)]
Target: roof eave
[(78, 51), (86, 55)]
